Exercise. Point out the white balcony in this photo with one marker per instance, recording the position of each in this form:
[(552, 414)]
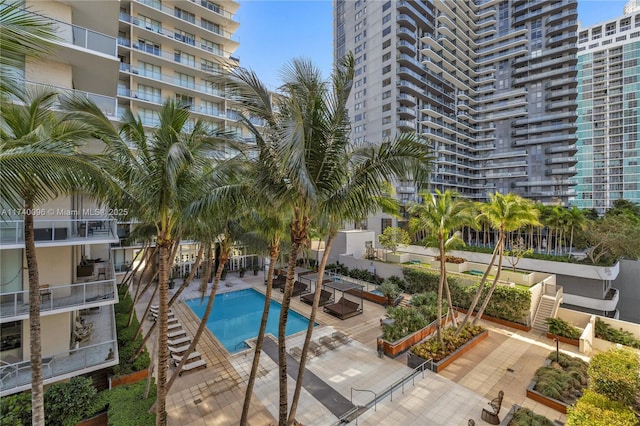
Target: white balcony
[(98, 289), (59, 232), (15, 375), (605, 305)]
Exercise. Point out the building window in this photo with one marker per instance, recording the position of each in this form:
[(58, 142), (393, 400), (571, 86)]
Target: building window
[(386, 18), (210, 26), (386, 6), (10, 335), (386, 56), (386, 31), (211, 5), (386, 69), (211, 46), (185, 37), (148, 46), (184, 15), (149, 117), (150, 94), (185, 80), (386, 223), (209, 66), (149, 70), (386, 43), (184, 58), (150, 24)]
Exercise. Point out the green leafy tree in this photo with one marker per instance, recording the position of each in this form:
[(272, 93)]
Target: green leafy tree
[(393, 237), (613, 237)]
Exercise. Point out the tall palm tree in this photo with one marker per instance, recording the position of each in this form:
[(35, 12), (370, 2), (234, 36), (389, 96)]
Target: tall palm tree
[(40, 159), (504, 213), (441, 215), (575, 219), (163, 172)]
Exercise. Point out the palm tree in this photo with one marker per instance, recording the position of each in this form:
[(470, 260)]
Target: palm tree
[(22, 34), (40, 160), (504, 213), (441, 214), (575, 219)]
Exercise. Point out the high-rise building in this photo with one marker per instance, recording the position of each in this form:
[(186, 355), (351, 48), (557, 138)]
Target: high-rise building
[(489, 84), (631, 7), (608, 113), (120, 54)]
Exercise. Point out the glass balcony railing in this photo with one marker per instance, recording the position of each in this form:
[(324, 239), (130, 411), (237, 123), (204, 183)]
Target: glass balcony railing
[(100, 289), (59, 230), (100, 352)]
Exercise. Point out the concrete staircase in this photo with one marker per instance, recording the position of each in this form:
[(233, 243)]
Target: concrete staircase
[(545, 310)]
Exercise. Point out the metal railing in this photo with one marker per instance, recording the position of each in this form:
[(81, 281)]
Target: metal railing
[(399, 384), (54, 298), (55, 230)]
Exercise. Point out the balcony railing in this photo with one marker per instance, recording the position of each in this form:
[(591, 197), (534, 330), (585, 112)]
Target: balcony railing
[(59, 230), (15, 305), (88, 357)]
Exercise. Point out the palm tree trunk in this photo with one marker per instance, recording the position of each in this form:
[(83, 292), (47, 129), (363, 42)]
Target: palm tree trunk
[(137, 293), (571, 242), (137, 299), (224, 257), (146, 312), (476, 297), (443, 274), (299, 228), (164, 246), (184, 285), (309, 335), (204, 281), (273, 257), (452, 311), (131, 272), (35, 344), (495, 280)]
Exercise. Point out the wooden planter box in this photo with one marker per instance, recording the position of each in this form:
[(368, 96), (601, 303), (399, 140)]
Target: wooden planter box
[(101, 419), (574, 342), (545, 400), (413, 361), (511, 324), (371, 297), (127, 379), (393, 349)]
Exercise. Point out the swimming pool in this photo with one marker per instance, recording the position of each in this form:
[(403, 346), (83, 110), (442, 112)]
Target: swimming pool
[(236, 317), (377, 292)]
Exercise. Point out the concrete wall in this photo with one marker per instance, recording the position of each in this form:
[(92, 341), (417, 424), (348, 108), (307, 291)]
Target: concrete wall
[(55, 335), (628, 282), (575, 318), (351, 242)]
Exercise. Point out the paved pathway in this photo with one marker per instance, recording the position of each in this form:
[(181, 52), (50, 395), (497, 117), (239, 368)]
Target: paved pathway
[(506, 361)]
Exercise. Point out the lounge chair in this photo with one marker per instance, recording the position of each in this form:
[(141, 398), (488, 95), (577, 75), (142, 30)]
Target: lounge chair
[(342, 338), (279, 282), (193, 365), (316, 348), (176, 333), (179, 349), (174, 325), (192, 355), (326, 297), (179, 341), (345, 308), (296, 352), (328, 342)]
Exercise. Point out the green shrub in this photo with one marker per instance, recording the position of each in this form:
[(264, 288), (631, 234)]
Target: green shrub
[(127, 346), (127, 406), (432, 349), (560, 327), (616, 375), (66, 403), (563, 381), (417, 281), (389, 289), (594, 409), (15, 410), (606, 332), (405, 321), (526, 417)]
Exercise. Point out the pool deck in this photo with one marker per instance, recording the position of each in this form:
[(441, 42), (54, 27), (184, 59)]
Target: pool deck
[(506, 361)]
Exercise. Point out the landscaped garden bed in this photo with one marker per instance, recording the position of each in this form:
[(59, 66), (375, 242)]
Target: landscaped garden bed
[(606, 332), (559, 384), (440, 356), (525, 417), (563, 331)]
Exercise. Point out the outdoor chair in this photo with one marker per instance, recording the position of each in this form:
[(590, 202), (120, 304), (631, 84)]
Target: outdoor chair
[(342, 338), (316, 348), (328, 342), (491, 417), (325, 298)]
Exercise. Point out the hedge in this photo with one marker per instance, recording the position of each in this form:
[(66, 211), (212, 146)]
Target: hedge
[(508, 303), (594, 409), (525, 417), (606, 332), (126, 406), (127, 346), (616, 375)]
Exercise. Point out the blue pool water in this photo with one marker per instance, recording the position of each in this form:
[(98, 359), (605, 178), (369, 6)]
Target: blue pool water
[(378, 292), (236, 317)]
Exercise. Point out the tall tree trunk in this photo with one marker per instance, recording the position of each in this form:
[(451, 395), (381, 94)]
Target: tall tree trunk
[(299, 228), (136, 299), (132, 271), (175, 296), (224, 257), (443, 274), (146, 311), (309, 335), (164, 244), (136, 294), (452, 312), (273, 257), (571, 242), (204, 281), (495, 280), (35, 344), (476, 297)]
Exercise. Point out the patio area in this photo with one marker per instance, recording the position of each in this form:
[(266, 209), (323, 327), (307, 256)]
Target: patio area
[(214, 395)]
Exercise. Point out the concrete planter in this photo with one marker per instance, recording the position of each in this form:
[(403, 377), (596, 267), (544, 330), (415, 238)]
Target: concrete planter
[(414, 361), (574, 342), (545, 400), (393, 349), (500, 321), (127, 379), (398, 257)]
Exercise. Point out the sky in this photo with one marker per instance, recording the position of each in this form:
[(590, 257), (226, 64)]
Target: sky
[(273, 32)]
